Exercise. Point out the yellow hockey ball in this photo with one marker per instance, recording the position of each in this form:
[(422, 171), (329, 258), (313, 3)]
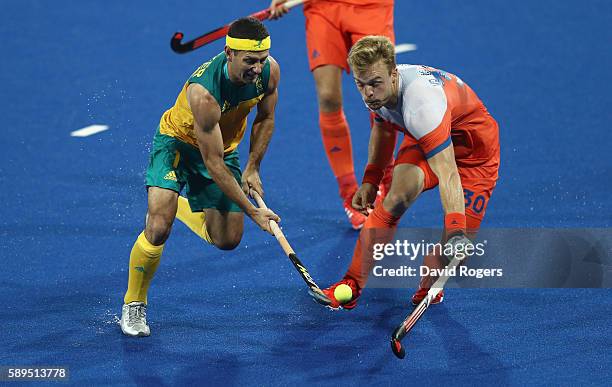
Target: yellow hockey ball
[(343, 293)]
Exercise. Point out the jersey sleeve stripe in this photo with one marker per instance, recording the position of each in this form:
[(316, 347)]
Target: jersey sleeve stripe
[(438, 149)]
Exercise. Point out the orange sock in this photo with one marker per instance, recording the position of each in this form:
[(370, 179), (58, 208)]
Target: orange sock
[(378, 228), (337, 142), (347, 185)]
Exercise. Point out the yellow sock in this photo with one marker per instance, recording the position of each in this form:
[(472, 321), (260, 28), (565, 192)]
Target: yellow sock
[(196, 221), (144, 260)]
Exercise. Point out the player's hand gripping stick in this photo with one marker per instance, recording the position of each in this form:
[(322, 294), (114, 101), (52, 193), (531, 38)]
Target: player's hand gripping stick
[(314, 289)]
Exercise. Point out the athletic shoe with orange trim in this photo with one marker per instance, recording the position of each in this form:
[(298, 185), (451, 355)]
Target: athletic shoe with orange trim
[(329, 292), (356, 218)]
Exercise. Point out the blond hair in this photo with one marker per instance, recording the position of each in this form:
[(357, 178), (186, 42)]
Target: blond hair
[(369, 50)]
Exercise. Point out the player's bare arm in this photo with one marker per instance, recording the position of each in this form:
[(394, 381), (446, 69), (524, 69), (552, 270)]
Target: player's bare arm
[(261, 132), (451, 192), (380, 152), (206, 113), (429, 111), (381, 145)]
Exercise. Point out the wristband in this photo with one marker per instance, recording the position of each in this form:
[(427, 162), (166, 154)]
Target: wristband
[(373, 174), (454, 223)]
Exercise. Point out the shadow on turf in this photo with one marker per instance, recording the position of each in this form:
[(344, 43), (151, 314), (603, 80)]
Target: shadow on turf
[(304, 340), (362, 336)]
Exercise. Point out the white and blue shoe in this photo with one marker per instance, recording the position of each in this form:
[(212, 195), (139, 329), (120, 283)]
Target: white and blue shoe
[(134, 319)]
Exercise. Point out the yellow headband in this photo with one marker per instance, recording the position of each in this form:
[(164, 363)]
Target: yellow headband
[(247, 44)]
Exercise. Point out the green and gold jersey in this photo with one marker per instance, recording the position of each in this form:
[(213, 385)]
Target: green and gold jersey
[(236, 102)]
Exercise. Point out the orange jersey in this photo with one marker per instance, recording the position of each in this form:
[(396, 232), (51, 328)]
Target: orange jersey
[(435, 109)]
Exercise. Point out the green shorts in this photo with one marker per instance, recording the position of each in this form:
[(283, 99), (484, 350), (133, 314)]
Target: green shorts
[(174, 164)]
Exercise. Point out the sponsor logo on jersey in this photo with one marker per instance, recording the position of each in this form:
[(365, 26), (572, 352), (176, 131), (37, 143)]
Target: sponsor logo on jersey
[(259, 85), (170, 176), (226, 107)]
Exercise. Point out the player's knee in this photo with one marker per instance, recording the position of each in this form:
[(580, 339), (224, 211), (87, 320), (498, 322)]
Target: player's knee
[(416, 188), (402, 196), (396, 202), (330, 100), (228, 240), (157, 230), (228, 243)]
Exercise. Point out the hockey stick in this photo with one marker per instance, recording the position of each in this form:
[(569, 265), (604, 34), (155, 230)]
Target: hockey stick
[(408, 323), (314, 289), (218, 33)]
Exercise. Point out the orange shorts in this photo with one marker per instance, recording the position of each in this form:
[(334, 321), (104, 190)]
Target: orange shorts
[(333, 27), (478, 181)]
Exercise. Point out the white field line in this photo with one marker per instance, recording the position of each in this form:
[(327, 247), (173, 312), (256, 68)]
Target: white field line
[(405, 47), (89, 130)]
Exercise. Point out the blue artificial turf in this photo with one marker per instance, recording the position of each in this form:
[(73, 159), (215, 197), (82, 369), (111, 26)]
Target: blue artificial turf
[(72, 207)]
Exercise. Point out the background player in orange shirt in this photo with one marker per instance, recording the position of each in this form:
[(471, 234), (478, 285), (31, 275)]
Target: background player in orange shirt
[(450, 141), (332, 27)]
